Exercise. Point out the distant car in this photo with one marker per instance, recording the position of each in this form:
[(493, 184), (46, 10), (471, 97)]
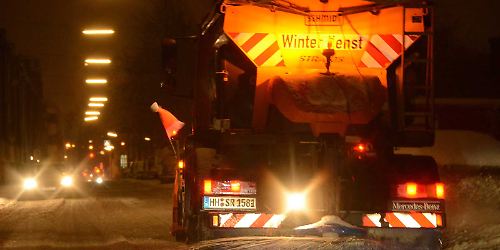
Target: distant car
[(94, 175), (51, 178)]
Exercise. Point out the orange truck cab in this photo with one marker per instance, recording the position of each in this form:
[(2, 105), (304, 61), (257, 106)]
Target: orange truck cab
[(297, 109)]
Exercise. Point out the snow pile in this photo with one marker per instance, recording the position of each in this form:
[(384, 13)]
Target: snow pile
[(461, 147), (483, 189), (484, 237), (470, 169), (326, 220), (473, 207)]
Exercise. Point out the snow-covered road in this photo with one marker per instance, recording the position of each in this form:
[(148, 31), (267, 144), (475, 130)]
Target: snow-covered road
[(127, 214), (131, 214)]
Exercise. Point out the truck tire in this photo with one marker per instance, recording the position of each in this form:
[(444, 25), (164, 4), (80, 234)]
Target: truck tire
[(197, 229)]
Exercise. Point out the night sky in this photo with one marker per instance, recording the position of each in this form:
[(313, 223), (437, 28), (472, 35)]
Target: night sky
[(50, 31)]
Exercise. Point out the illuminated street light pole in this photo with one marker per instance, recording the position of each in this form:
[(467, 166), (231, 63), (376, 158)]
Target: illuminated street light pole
[(96, 104), (90, 118), (96, 81), (91, 112), (98, 32), (112, 134), (98, 99), (101, 61)]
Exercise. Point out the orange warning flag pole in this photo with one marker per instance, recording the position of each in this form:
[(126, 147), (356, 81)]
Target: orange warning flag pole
[(170, 123)]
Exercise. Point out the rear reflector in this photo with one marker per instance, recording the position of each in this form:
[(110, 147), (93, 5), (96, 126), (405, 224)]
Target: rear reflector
[(439, 220), (215, 220)]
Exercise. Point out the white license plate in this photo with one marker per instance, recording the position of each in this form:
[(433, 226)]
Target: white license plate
[(229, 203)]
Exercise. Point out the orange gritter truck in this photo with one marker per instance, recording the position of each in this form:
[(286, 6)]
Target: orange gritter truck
[(298, 107)]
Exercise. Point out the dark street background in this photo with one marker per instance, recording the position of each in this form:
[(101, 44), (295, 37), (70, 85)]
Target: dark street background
[(42, 41)]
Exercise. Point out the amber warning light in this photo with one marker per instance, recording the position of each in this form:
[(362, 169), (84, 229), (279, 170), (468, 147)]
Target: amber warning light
[(207, 186)]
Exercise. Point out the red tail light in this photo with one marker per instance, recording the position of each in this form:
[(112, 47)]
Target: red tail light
[(411, 189), (235, 186), (360, 148), (440, 190), (414, 190), (207, 186), (231, 187)]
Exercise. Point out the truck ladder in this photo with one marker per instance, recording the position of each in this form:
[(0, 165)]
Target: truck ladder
[(416, 97)]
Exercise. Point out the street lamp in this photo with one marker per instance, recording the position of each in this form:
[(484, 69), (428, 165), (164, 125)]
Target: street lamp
[(147, 139), (91, 118), (98, 99), (112, 134), (96, 81), (97, 61), (98, 32), (92, 113), (96, 104)]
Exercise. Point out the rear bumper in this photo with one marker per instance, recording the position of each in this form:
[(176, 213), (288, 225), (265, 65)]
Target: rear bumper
[(404, 220), (390, 220), (246, 220)]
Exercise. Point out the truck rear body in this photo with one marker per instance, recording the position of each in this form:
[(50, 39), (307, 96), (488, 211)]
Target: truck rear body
[(297, 108)]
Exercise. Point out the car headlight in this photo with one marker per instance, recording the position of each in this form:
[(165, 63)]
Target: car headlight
[(30, 183), (98, 180), (295, 201), (67, 181)]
